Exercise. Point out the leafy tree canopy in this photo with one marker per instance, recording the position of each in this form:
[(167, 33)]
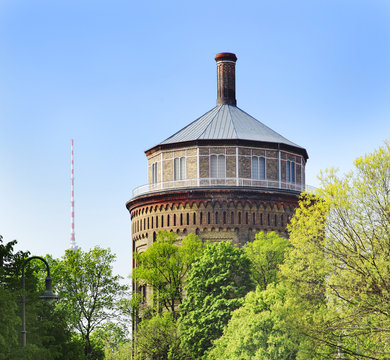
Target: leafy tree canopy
[(257, 330), (337, 273), (266, 253), (89, 291), (215, 286), (164, 267)]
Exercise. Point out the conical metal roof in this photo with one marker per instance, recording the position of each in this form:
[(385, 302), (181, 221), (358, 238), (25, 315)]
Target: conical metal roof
[(227, 122)]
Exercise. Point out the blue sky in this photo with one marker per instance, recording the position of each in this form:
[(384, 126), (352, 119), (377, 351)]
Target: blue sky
[(121, 76)]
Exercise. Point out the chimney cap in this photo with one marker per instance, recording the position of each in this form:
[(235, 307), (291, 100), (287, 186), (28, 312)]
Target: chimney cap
[(226, 56)]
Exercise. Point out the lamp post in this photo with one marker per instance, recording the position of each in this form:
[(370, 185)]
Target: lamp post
[(47, 295)]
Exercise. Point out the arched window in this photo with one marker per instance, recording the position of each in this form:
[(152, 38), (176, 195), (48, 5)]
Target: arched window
[(162, 220), (290, 171), (208, 218), (179, 165), (246, 218), (232, 218), (156, 221), (239, 218), (174, 219), (194, 219), (258, 167), (181, 219), (276, 220), (168, 220), (200, 218), (253, 218), (188, 219), (224, 217), (261, 219), (217, 166), (216, 217)]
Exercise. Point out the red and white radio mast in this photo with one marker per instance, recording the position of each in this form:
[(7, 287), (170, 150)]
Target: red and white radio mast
[(73, 245)]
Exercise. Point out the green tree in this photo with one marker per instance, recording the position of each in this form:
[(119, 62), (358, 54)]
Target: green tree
[(266, 253), (164, 266), (258, 329), (215, 286), (48, 336), (10, 263), (337, 273), (89, 293), (155, 337)]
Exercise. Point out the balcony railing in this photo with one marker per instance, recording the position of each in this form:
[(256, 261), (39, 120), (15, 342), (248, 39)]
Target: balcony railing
[(214, 182)]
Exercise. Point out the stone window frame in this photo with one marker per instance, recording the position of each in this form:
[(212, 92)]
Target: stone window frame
[(155, 173), (261, 174), (291, 171), (218, 166), (179, 168)]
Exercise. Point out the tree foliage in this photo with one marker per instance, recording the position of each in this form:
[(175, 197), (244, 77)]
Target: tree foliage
[(215, 286), (258, 330), (266, 253), (89, 291), (155, 337), (164, 266), (337, 273)]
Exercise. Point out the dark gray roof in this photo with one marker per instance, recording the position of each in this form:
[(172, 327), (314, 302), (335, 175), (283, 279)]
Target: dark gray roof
[(227, 122)]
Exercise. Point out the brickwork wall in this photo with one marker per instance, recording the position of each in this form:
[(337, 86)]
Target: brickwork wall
[(217, 220)]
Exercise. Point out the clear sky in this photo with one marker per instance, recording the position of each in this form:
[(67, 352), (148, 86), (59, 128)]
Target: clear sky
[(121, 76)]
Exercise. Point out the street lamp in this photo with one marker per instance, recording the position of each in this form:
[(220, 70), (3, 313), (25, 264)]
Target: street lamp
[(47, 295)]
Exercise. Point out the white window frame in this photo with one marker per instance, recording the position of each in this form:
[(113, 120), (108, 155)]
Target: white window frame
[(257, 172), (218, 166), (179, 168)]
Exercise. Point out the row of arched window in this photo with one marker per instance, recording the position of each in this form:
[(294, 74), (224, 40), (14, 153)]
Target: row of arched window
[(207, 218)]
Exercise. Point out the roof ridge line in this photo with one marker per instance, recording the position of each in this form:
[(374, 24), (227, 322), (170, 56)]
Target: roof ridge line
[(211, 120), (231, 117)]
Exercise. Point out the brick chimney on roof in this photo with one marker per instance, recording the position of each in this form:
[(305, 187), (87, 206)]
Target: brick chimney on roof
[(226, 77)]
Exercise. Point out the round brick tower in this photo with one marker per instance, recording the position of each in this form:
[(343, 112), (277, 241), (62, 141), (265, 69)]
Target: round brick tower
[(225, 176)]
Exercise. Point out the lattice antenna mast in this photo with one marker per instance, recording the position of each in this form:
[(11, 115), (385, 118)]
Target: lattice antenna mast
[(73, 245)]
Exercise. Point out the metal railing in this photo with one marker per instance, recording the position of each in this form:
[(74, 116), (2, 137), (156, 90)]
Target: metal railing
[(215, 182)]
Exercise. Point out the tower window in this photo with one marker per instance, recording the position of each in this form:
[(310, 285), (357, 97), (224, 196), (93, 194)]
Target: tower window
[(232, 218), (194, 219), (208, 218), (154, 173), (239, 218), (188, 219), (174, 219), (217, 166), (200, 218), (290, 172), (258, 167), (216, 217), (224, 217), (168, 220), (253, 218), (180, 168)]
